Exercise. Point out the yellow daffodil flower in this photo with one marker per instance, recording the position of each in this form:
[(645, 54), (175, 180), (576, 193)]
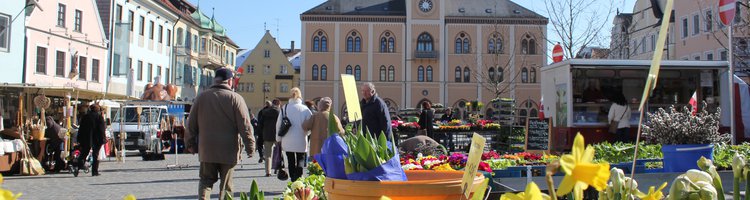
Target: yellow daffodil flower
[(580, 171), (384, 198), (129, 197), (532, 193), (654, 194)]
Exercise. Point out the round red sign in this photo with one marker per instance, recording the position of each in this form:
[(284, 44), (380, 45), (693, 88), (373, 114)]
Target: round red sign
[(726, 11), (557, 53)]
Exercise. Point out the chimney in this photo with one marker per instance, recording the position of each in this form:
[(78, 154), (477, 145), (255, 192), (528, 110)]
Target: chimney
[(292, 45)]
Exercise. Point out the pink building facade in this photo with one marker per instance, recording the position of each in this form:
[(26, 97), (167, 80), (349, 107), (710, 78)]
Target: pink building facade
[(67, 47)]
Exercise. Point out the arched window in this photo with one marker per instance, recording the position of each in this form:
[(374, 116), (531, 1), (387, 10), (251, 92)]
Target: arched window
[(387, 42), (495, 44), (357, 73), (382, 73), (391, 45), (316, 43), (463, 45), (349, 69), (357, 44), (429, 73), (315, 72), (383, 45), (323, 44), (522, 114), (323, 73), (424, 42), (491, 46), (528, 45), (524, 75), (420, 74), (458, 45), (467, 74), (467, 45), (500, 75), (349, 44), (179, 36), (458, 74), (491, 74), (391, 73), (532, 46), (532, 75), (533, 113)]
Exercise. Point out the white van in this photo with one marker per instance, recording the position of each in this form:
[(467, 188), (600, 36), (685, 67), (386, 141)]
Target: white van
[(142, 131)]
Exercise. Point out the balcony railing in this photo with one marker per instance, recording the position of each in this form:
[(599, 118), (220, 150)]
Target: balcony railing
[(426, 54)]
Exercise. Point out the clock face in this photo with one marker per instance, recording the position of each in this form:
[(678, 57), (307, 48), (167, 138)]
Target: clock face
[(425, 5)]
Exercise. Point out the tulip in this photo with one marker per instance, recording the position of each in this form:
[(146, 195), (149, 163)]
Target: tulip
[(708, 166), (738, 162), (580, 171), (680, 188), (129, 197)]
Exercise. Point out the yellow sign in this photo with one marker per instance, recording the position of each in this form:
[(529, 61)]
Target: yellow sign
[(653, 73), (352, 99), (472, 163)]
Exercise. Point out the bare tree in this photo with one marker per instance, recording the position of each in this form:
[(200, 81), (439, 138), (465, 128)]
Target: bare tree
[(578, 23), (720, 33)]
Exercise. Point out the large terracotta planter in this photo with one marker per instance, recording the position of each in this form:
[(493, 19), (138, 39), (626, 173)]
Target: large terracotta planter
[(421, 184)]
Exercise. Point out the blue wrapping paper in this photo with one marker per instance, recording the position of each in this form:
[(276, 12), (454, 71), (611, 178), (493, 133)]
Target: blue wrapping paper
[(389, 171), (331, 157)]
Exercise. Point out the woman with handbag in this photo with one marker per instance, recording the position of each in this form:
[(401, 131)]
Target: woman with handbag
[(291, 135), (619, 118)]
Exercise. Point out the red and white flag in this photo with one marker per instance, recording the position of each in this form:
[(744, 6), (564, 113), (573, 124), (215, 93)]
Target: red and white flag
[(541, 108), (694, 103)]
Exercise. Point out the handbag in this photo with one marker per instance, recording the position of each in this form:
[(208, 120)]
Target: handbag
[(278, 163), (285, 123), (613, 125)]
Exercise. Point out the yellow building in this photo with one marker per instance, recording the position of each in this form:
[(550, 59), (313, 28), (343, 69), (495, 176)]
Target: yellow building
[(266, 74)]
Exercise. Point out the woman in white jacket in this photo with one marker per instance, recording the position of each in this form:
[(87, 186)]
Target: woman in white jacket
[(294, 143)]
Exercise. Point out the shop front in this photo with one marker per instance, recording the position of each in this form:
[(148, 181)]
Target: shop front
[(578, 93)]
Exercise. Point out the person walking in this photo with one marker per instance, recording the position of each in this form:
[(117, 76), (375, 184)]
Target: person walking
[(294, 141), (425, 120), (91, 137), (258, 137), (375, 114), (217, 122), (267, 123), (318, 125)]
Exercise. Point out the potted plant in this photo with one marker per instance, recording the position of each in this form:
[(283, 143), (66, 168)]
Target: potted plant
[(685, 136)]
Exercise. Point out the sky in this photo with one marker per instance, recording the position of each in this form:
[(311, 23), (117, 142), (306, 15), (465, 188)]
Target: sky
[(245, 19)]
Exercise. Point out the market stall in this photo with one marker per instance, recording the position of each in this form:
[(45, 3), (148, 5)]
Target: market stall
[(578, 93)]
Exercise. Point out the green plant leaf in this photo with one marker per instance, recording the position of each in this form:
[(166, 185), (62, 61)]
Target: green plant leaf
[(332, 127)]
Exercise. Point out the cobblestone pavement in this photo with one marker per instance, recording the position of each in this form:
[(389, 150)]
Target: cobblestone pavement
[(144, 179)]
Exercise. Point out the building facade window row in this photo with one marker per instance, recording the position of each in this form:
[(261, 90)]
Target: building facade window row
[(391, 74), (462, 77), (82, 66)]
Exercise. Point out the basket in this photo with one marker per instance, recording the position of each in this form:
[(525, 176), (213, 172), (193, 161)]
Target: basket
[(421, 184), (37, 133)]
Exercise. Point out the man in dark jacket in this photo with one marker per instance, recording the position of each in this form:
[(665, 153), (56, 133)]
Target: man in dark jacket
[(91, 137), (54, 140), (267, 122), (259, 136), (375, 115)]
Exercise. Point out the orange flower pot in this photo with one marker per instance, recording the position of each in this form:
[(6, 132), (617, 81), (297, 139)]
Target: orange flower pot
[(422, 184)]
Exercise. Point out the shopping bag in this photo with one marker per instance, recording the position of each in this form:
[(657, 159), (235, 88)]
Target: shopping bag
[(102, 153), (278, 158), (331, 157), (30, 166)]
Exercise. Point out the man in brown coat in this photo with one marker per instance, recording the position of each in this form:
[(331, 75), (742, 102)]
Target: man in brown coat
[(318, 125), (218, 119)]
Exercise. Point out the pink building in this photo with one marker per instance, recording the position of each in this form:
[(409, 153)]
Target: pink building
[(67, 47)]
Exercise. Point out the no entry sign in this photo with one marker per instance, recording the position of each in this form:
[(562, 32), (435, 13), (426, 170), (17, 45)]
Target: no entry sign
[(726, 11)]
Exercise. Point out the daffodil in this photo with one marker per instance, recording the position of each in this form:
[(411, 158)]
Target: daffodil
[(532, 193), (580, 171), (653, 193)]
